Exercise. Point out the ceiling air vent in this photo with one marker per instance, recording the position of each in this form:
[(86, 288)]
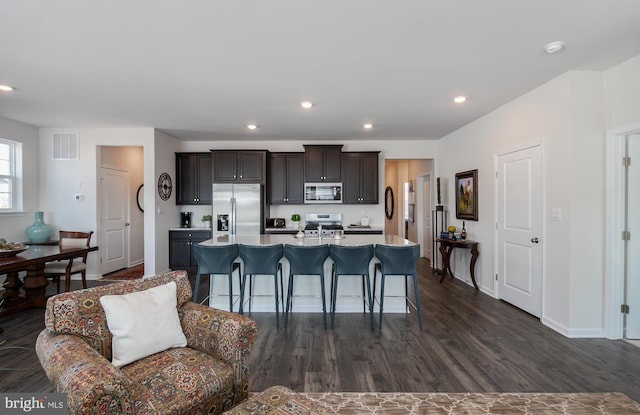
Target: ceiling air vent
[(65, 146)]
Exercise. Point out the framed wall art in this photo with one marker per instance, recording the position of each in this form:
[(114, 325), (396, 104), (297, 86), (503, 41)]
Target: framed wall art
[(467, 195)]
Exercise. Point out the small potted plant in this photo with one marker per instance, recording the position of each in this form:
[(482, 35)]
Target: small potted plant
[(295, 220), (207, 220)]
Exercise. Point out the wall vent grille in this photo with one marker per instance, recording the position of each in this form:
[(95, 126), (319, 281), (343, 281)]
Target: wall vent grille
[(65, 146)]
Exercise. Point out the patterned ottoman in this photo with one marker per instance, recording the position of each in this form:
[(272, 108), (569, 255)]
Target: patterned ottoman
[(278, 400)]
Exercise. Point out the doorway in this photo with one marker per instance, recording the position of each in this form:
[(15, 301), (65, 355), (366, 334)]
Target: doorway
[(120, 207), (632, 244), (406, 179), (519, 228), (621, 270), (114, 219)]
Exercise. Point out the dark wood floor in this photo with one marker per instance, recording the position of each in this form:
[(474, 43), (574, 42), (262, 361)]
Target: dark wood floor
[(470, 342)]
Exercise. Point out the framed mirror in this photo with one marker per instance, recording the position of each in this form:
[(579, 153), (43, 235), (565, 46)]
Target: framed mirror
[(388, 202), (140, 198)]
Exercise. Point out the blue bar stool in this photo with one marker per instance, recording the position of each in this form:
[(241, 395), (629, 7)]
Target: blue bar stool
[(216, 260), (398, 260), (351, 260), (306, 260), (261, 260)]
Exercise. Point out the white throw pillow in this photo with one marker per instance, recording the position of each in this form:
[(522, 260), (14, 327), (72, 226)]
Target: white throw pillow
[(143, 323)]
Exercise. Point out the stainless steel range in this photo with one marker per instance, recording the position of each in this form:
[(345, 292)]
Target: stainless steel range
[(322, 223)]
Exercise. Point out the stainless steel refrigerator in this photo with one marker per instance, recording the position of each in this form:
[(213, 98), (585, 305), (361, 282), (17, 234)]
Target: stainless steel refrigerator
[(237, 209)]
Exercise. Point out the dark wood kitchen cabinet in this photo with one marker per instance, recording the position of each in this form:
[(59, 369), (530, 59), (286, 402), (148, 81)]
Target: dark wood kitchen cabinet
[(360, 177), (322, 163), (193, 179), (181, 248), (286, 178), (239, 166)]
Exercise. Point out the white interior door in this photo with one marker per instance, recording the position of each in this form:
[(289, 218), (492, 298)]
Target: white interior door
[(633, 244), (519, 229), (114, 214)]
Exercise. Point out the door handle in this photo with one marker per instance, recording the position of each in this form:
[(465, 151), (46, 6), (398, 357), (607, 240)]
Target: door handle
[(534, 240), (127, 224)]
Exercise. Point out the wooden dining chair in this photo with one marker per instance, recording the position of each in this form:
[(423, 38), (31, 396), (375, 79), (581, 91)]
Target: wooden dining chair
[(65, 268)]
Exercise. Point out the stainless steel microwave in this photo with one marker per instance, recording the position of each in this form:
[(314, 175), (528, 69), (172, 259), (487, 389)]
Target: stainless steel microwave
[(323, 193)]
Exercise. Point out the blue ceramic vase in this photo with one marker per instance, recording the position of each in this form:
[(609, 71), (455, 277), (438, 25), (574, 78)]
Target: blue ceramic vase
[(39, 232)]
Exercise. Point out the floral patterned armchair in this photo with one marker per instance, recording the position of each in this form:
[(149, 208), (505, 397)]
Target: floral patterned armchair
[(208, 376)]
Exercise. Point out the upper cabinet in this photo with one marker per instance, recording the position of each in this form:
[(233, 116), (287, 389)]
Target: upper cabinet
[(193, 179), (360, 177), (286, 175), (244, 166), (322, 163)]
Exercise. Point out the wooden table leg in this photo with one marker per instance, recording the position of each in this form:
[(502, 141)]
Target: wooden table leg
[(35, 285), (446, 266), (445, 260), (474, 257), (34, 288)]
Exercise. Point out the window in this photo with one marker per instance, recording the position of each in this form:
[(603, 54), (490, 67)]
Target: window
[(8, 176)]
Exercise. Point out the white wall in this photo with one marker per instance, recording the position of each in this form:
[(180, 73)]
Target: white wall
[(60, 180), (565, 116), (623, 94), (13, 225), (167, 213)]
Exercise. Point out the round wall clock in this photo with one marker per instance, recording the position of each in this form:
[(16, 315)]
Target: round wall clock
[(164, 186), (388, 202)]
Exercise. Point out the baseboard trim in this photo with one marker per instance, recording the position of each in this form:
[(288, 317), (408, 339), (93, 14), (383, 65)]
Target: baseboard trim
[(573, 333)]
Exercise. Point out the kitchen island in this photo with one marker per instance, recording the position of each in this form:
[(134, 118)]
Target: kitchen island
[(307, 288), (274, 239)]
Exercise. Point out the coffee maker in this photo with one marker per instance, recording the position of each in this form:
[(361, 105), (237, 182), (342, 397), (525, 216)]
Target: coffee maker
[(185, 219)]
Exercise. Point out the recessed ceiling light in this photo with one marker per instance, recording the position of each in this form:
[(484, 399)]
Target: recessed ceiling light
[(367, 126), (306, 104), (554, 47), (6, 88), (460, 99), (252, 126)]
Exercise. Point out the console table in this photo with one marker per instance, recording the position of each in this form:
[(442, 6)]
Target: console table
[(447, 245)]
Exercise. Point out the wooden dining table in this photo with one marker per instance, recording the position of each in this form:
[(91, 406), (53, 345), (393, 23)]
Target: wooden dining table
[(31, 292)]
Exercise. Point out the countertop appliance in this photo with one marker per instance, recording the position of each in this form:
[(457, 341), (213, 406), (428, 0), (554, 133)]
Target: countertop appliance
[(276, 223), (323, 224), (237, 209), (323, 193), (185, 219)]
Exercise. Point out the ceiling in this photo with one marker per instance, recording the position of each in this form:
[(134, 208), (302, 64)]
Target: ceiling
[(204, 69)]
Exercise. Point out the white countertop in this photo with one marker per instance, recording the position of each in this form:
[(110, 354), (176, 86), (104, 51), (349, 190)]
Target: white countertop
[(202, 228), (274, 239)]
